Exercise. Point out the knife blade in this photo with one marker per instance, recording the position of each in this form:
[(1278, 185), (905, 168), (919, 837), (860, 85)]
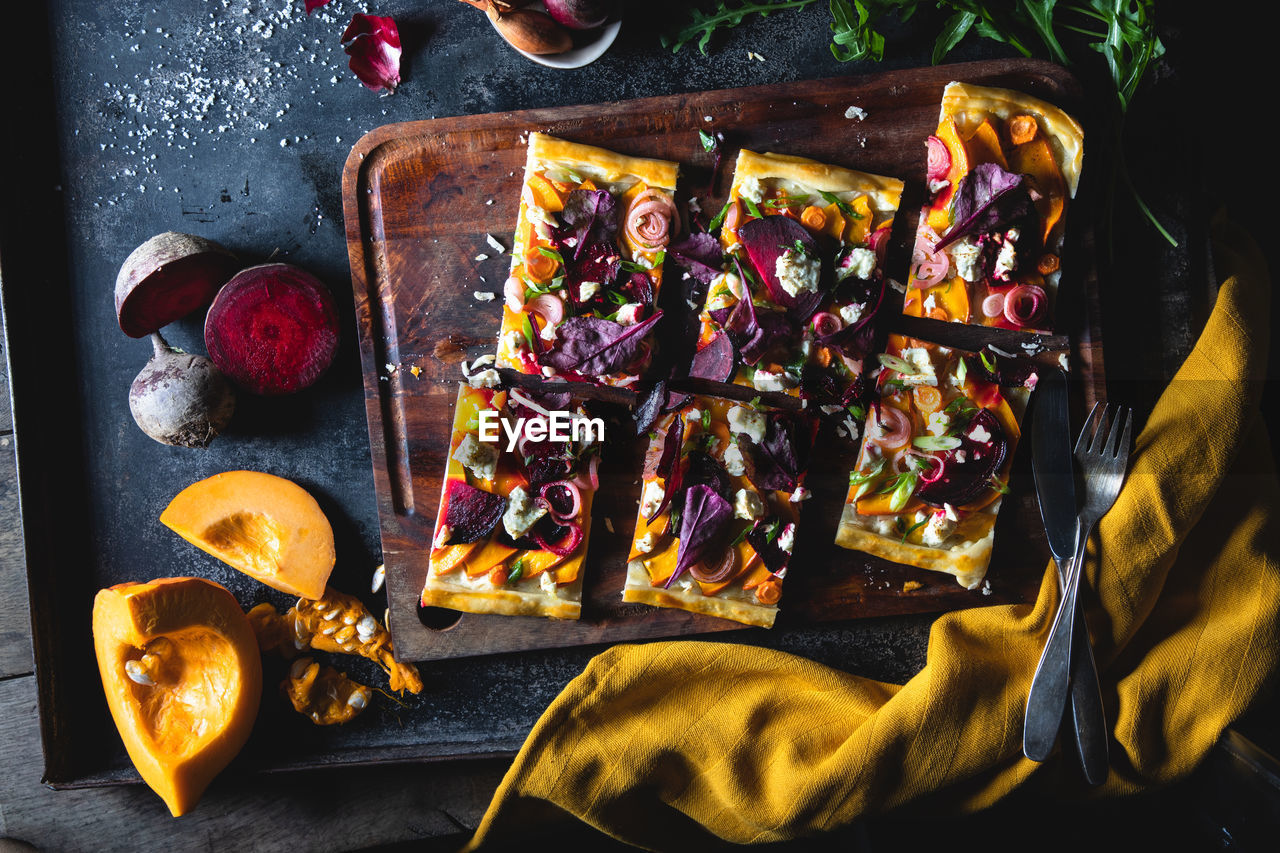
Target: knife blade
[(1054, 472)]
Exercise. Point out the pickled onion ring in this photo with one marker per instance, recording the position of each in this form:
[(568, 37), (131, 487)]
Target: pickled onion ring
[(574, 495), (939, 158), (549, 307), (1024, 304), (889, 428), (935, 473), (825, 323), (590, 478), (993, 305), (559, 548), (728, 563), (513, 293), (651, 218)]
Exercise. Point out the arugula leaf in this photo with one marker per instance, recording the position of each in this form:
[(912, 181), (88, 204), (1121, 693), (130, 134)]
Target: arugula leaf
[(843, 206), (719, 218), (527, 328), (702, 25), (953, 31), (852, 37)]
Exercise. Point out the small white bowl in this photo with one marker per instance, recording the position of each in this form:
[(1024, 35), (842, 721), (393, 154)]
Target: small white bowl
[(594, 44)]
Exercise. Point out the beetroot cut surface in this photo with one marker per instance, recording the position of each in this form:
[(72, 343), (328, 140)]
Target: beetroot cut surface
[(272, 329), (168, 277)]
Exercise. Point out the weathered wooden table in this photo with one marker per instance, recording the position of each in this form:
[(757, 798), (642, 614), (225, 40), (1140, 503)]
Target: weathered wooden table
[(232, 120)]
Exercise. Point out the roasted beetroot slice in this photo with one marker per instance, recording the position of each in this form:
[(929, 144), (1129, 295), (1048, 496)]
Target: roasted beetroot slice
[(765, 241), (714, 361), (471, 514), (168, 277), (964, 482), (273, 329)]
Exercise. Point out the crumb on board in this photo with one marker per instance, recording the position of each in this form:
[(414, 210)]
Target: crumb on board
[(608, 524), (494, 242), (986, 587), (482, 296), (482, 257), (912, 586), (855, 112), (416, 371)]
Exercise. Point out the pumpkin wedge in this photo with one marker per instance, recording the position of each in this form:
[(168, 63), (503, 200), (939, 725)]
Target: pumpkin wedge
[(183, 678), (266, 526)]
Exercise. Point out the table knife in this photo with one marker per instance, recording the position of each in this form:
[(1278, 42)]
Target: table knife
[(1052, 465)]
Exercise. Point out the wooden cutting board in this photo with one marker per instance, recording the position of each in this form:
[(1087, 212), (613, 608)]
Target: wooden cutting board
[(419, 200)]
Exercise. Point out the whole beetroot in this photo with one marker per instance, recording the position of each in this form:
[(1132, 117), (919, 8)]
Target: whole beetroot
[(180, 398)]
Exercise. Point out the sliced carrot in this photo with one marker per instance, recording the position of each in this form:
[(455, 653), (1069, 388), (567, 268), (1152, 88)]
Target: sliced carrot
[(813, 218), (983, 146), (928, 398), (1022, 128), (541, 268), (499, 576), (769, 592), (544, 192)]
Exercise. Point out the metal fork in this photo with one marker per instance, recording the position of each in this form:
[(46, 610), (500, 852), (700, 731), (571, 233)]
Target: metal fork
[(1103, 464)]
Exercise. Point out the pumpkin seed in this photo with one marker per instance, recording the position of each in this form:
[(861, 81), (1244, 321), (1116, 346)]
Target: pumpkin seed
[(379, 578), (350, 618), (331, 615), (137, 673), (344, 635), (358, 700), (299, 667), (328, 632), (366, 627)]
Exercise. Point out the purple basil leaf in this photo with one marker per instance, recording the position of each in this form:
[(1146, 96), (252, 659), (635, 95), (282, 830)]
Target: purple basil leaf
[(589, 216), (703, 469), (778, 460), (594, 346), (646, 413), (699, 254), (715, 360), (986, 199), (669, 467), (705, 517)]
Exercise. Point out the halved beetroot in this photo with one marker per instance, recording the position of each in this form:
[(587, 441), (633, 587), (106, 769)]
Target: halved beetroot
[(471, 514), (273, 329), (963, 482), (765, 241), (168, 277)]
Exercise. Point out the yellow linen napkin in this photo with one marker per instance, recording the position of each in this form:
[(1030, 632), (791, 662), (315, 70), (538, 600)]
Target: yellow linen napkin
[(668, 744)]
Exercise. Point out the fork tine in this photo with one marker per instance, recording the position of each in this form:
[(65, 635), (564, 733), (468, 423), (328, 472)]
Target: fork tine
[(1086, 430), (1118, 425), (1126, 437), (1100, 435)]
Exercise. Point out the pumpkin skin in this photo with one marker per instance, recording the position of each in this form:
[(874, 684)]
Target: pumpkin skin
[(189, 637), (266, 526)]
